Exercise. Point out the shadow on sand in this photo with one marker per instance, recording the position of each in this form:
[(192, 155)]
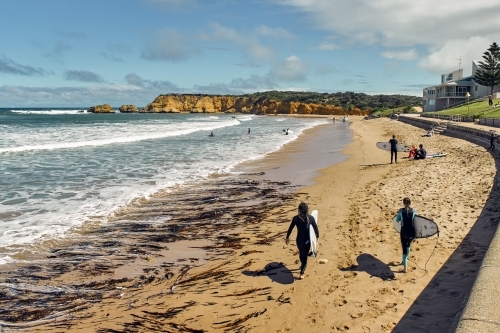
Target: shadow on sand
[(443, 298), (276, 271), (373, 266)]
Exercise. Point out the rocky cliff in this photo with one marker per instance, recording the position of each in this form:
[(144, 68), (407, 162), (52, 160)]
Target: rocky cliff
[(104, 108), (128, 108), (215, 103)]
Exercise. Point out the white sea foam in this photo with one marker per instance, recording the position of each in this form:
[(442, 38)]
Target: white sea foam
[(119, 139), (50, 112), (54, 185)]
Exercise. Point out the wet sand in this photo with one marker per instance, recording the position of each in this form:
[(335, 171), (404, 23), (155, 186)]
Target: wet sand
[(242, 278)]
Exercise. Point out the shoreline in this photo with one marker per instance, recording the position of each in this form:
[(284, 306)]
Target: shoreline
[(254, 289)]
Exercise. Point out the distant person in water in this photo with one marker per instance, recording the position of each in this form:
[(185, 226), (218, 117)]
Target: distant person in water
[(394, 149), (334, 119), (211, 134), (286, 131), (248, 131), (420, 154), (302, 222), (405, 217)]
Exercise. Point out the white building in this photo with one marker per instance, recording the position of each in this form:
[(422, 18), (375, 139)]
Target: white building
[(453, 90)]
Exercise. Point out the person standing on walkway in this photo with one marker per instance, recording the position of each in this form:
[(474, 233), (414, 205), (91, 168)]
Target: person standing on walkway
[(394, 149), (490, 100), (492, 142), (405, 217), (302, 221)]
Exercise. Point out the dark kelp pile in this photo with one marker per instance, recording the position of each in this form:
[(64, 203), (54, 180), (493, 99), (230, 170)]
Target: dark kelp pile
[(222, 212)]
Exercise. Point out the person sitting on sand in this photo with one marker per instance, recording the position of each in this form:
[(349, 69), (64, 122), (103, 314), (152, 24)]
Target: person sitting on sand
[(412, 152), (302, 222), (420, 154), (430, 132), (405, 217)]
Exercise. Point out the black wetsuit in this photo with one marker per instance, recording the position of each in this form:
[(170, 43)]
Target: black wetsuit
[(492, 142), (394, 149), (420, 154), (407, 234), (303, 241)]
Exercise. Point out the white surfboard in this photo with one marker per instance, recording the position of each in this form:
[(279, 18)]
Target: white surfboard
[(312, 234), (424, 227), (387, 146)]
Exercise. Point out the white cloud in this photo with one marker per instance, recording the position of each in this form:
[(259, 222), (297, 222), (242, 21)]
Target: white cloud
[(291, 70), (9, 66), (446, 58), (82, 76), (250, 45), (169, 45), (440, 26), (326, 46), (402, 22), (281, 33), (406, 55)]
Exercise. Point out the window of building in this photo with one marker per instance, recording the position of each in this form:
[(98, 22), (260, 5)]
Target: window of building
[(432, 102)]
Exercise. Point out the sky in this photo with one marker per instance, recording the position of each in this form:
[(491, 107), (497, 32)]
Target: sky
[(83, 53)]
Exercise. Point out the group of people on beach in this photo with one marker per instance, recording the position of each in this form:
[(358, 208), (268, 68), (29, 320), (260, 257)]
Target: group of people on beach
[(417, 154), (303, 222)]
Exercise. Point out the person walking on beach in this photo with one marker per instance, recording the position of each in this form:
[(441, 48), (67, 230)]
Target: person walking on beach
[(302, 221), (420, 154), (492, 142), (405, 217), (394, 148)]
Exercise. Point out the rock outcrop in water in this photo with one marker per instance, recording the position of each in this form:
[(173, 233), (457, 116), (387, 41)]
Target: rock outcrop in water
[(214, 103), (128, 108), (104, 108)]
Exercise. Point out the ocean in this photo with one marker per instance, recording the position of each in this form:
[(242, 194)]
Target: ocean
[(60, 168)]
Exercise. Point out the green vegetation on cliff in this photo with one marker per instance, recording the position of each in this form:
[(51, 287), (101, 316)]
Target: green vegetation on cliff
[(347, 100)]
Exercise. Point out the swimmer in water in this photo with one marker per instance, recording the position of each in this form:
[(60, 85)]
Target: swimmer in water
[(211, 134), (248, 131)]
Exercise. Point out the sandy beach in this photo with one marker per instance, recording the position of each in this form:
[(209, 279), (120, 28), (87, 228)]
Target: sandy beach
[(239, 276)]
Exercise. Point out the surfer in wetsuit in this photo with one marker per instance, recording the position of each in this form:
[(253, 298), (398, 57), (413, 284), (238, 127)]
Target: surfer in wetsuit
[(492, 142), (405, 217), (211, 134), (420, 154), (302, 222), (394, 148), (248, 131)]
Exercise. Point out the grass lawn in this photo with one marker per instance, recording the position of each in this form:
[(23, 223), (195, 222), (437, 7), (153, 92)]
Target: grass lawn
[(479, 109)]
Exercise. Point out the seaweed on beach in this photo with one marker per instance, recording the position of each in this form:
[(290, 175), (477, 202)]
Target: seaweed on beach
[(208, 212), (234, 325)]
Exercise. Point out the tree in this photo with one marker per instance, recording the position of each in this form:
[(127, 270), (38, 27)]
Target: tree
[(489, 73)]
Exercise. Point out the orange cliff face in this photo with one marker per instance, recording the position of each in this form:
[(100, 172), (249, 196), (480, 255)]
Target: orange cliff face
[(210, 104)]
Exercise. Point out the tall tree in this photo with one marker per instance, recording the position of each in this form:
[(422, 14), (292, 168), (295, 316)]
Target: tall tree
[(489, 73)]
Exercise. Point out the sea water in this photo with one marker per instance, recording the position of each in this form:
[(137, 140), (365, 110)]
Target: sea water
[(62, 167)]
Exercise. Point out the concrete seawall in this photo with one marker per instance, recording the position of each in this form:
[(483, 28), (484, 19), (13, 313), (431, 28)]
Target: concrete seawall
[(480, 311)]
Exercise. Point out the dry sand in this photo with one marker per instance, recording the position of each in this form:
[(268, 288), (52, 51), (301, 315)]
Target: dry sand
[(360, 288)]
